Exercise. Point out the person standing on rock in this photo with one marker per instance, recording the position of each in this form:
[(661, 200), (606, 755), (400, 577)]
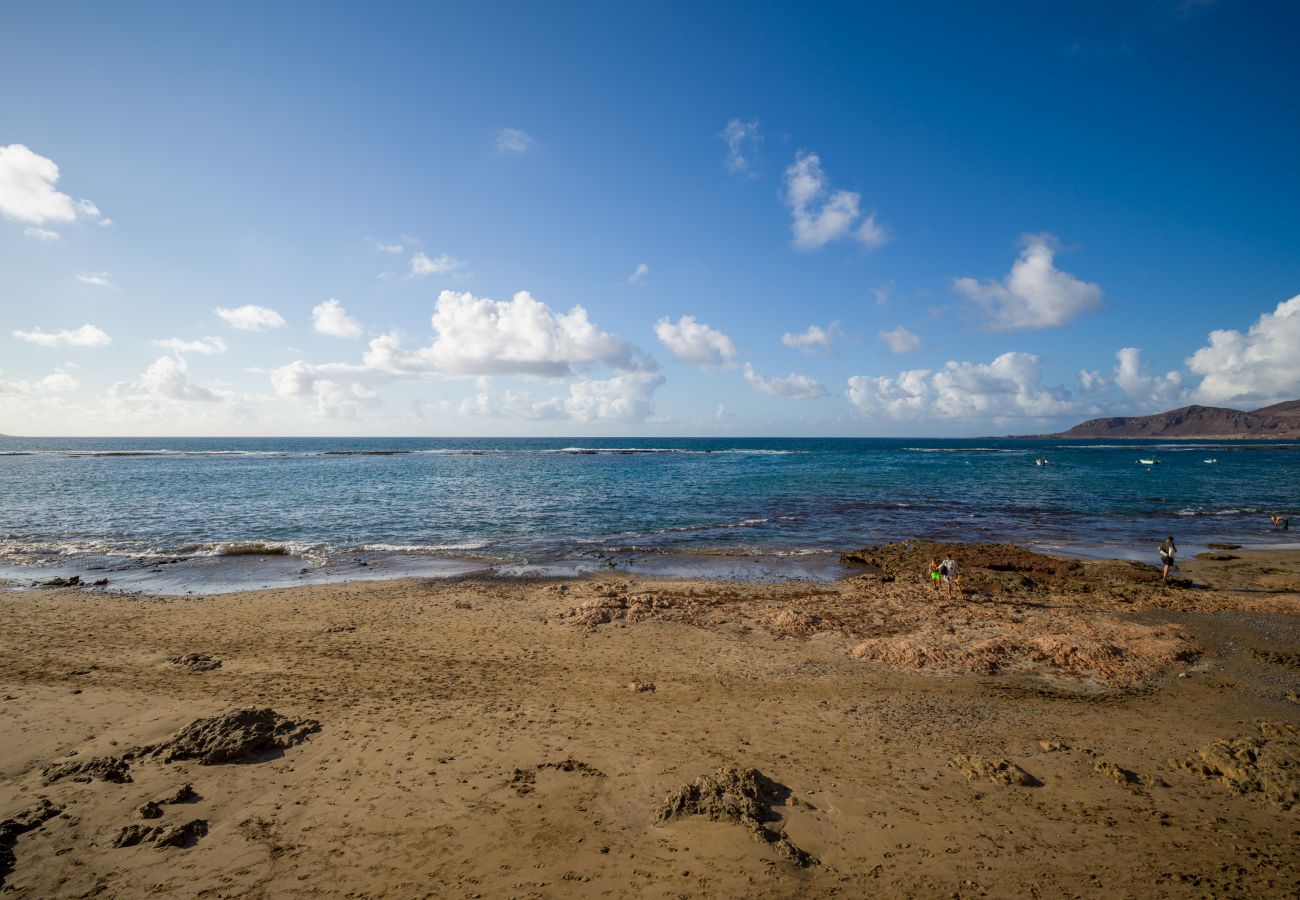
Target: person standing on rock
[(948, 573), (1168, 550)]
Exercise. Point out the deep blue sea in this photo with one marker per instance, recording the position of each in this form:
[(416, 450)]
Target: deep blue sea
[(159, 512)]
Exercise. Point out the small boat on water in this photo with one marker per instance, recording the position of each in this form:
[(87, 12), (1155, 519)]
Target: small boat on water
[(1040, 462), (1149, 462), (1210, 462)]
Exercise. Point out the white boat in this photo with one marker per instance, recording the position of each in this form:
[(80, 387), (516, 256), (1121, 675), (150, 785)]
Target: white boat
[(1211, 461), (1040, 462), (1149, 462)]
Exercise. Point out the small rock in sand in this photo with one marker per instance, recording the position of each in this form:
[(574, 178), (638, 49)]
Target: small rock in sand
[(641, 687), (741, 796), (101, 768), (10, 830), (195, 662), (1118, 774), (162, 836), (1053, 746), (994, 769), (1268, 764), (241, 735)]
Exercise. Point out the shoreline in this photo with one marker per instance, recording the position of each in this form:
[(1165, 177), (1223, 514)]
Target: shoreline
[(538, 737)]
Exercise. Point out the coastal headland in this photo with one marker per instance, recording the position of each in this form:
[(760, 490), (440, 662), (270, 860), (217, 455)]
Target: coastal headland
[(1066, 728)]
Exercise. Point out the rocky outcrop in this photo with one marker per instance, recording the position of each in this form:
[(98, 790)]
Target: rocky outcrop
[(242, 735), (1281, 420), (741, 796)]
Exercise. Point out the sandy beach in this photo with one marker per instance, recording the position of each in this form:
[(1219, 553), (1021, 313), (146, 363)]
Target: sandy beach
[(1067, 729)]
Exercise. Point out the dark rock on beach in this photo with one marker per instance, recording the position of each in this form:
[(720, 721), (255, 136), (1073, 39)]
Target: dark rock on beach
[(242, 735)]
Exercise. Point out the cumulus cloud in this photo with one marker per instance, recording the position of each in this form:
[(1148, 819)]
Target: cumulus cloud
[(1008, 387), (813, 340), (95, 279), (513, 141), (250, 317), (625, 398), (86, 336), (899, 340), (1256, 368), (1151, 392), (628, 397), (639, 274), (422, 265), (820, 214), (1034, 294), (57, 382), (794, 385), (332, 319), (206, 345), (520, 336), (169, 377), (742, 140), (27, 191), (694, 342), (42, 234), (391, 249)]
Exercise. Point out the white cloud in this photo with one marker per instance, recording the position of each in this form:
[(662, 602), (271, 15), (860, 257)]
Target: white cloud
[(207, 345), (881, 294), (42, 234), (168, 379), (520, 336), (328, 386), (1034, 294), (742, 140), (332, 319), (96, 279), (422, 265), (392, 249), (628, 397), (512, 140), (105, 223), (1259, 367), (899, 340), (27, 191), (639, 274), (794, 385), (813, 340), (694, 342), (820, 214), (250, 317), (1158, 392), (624, 398), (86, 336), (57, 382), (1008, 387)]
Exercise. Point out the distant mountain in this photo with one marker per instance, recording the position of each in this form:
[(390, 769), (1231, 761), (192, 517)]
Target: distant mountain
[(1281, 420)]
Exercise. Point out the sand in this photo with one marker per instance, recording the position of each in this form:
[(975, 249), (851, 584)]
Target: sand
[(1060, 732)]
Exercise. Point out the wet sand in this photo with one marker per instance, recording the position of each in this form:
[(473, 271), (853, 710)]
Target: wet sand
[(1053, 734)]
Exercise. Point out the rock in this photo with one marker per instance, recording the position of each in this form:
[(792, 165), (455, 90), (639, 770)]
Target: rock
[(162, 836), (150, 809), (73, 581), (740, 796), (1267, 765), (183, 794), (241, 735), (1216, 557), (10, 830), (1118, 774), (1053, 746), (994, 769), (195, 662), (1291, 660), (99, 582), (641, 687), (101, 768), (1224, 546)]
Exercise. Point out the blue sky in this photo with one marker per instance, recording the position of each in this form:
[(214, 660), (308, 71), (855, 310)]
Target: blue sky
[(1000, 219)]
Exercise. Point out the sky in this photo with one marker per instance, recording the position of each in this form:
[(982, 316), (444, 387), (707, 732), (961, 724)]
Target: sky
[(644, 219)]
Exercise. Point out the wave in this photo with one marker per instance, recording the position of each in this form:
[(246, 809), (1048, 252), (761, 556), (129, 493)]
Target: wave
[(1200, 511), (966, 450), (684, 451)]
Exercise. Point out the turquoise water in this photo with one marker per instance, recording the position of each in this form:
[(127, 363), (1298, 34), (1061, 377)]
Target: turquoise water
[(537, 504)]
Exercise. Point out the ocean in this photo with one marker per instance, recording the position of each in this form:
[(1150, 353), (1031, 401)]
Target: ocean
[(164, 514)]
